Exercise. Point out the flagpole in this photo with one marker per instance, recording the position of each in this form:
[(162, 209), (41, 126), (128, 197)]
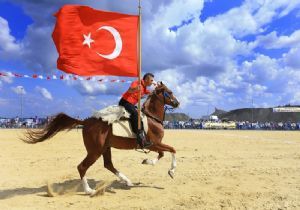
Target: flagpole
[(140, 64)]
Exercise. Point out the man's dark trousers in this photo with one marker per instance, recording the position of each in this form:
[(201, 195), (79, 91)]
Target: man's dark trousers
[(133, 114)]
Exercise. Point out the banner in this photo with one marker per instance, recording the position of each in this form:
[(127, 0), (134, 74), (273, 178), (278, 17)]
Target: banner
[(93, 42)]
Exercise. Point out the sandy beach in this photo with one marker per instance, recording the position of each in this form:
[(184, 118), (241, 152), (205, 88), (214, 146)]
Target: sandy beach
[(215, 170)]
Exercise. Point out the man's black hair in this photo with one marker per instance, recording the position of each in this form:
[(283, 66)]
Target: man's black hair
[(148, 74)]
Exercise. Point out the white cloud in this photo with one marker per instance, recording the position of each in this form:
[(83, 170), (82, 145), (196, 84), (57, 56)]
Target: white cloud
[(262, 69), (174, 13), (238, 21), (8, 78), (20, 90), (95, 87), (292, 58), (256, 90), (199, 90), (202, 62), (39, 52), (252, 16), (91, 87), (232, 78), (9, 48), (296, 98), (171, 77), (45, 93), (272, 41)]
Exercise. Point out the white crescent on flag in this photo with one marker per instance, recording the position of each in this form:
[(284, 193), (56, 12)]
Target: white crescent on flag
[(118, 42)]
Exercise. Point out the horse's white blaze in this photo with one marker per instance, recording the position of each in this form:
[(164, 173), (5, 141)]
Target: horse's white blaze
[(124, 178), (86, 186)]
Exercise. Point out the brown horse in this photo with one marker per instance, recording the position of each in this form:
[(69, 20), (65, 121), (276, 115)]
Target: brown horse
[(98, 138)]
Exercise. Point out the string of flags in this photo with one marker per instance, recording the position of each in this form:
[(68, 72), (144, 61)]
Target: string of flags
[(62, 77)]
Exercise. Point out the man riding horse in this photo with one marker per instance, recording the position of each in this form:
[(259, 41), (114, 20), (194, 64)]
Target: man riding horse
[(130, 99), (98, 136)]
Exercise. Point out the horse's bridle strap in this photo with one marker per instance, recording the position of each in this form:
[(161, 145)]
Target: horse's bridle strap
[(152, 117), (161, 101)]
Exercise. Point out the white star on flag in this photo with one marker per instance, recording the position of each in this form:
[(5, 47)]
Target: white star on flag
[(87, 40)]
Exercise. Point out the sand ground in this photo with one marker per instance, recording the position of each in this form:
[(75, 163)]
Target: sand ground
[(215, 170)]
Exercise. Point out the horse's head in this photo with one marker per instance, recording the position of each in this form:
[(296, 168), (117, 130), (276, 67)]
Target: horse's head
[(165, 95)]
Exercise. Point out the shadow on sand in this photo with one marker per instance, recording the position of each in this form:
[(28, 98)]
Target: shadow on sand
[(70, 187)]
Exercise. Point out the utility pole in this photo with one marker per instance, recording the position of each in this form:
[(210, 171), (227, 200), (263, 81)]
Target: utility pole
[(252, 111), (140, 64), (22, 91)]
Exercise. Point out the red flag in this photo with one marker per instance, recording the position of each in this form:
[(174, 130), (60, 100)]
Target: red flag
[(92, 42)]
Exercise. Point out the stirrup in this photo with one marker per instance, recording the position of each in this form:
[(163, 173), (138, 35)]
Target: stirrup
[(143, 147), (142, 141), (147, 144)]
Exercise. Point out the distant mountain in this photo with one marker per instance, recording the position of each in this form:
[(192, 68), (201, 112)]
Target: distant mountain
[(218, 112), (260, 115), (176, 117)]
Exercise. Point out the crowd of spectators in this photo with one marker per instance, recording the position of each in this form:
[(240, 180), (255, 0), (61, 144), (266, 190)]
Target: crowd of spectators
[(36, 122), (268, 125), (17, 122), (239, 125)]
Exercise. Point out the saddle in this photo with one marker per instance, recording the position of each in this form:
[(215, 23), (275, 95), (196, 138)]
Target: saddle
[(119, 118)]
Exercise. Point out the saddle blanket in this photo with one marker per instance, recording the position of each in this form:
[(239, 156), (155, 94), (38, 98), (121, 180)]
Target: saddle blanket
[(113, 114)]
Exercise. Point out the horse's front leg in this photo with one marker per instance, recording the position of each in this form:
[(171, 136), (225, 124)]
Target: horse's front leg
[(153, 161), (163, 147), (171, 172)]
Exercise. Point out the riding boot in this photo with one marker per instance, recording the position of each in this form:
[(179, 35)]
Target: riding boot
[(142, 140)]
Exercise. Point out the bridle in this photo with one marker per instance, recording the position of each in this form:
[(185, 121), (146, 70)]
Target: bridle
[(163, 101), (165, 95)]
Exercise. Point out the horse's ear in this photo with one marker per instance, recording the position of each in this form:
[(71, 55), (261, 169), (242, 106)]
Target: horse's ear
[(158, 86), (159, 83)]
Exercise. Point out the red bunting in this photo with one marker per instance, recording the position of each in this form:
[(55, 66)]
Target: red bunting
[(61, 77)]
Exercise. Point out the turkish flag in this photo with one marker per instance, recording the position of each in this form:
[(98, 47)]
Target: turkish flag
[(92, 42)]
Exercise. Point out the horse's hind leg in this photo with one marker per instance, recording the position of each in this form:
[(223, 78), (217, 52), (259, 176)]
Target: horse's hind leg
[(109, 165), (83, 167), (94, 141)]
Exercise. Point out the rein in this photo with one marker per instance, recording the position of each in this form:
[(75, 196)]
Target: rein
[(165, 94), (152, 117)]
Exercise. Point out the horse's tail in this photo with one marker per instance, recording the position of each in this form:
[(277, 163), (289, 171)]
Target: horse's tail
[(60, 122)]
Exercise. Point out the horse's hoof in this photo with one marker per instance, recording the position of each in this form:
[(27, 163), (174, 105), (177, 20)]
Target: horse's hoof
[(147, 162), (171, 174), (100, 189), (93, 193), (90, 192)]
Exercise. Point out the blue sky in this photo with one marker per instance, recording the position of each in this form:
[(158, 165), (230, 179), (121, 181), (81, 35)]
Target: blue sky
[(211, 53)]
